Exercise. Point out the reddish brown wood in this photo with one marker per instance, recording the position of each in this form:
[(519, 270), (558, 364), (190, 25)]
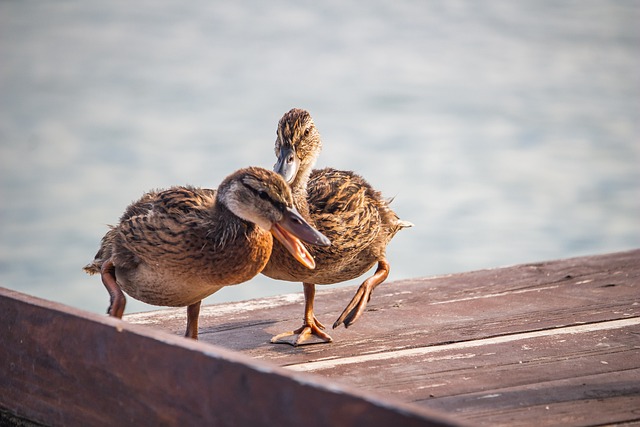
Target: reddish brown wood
[(493, 313), (546, 343), (62, 366)]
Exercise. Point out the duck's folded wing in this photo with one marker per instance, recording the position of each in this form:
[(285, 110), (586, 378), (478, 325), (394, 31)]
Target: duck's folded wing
[(342, 207), (161, 225)]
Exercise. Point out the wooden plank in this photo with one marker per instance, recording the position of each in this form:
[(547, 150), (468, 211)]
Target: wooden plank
[(63, 366), (430, 311), (482, 380), (603, 399), (444, 342)]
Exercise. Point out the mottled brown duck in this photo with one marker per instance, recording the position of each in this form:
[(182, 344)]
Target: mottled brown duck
[(177, 246), (343, 207)]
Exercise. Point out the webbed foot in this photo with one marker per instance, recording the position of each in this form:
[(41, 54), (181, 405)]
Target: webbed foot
[(309, 333), (359, 301)]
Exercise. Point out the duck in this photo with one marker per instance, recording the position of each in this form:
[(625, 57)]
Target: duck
[(174, 247), (345, 208)]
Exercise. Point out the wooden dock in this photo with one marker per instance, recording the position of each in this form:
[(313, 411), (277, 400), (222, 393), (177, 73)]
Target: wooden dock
[(550, 343)]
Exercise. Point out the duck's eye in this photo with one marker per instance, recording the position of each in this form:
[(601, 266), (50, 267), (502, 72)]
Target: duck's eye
[(306, 131), (263, 195)]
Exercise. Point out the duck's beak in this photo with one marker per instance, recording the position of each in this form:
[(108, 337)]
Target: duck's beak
[(292, 230), (287, 163)]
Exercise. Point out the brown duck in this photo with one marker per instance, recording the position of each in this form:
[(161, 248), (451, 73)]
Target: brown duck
[(343, 207), (177, 246)]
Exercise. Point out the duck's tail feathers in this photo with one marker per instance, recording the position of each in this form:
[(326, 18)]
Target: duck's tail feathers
[(403, 224), (92, 268)]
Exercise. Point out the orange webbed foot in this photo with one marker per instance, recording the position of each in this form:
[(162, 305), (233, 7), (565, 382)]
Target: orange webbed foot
[(309, 333), (359, 301)]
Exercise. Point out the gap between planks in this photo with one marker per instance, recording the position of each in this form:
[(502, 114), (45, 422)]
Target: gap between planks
[(565, 330)]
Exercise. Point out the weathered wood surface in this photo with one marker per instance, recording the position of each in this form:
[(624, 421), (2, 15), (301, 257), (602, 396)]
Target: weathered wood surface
[(545, 343), (65, 367)]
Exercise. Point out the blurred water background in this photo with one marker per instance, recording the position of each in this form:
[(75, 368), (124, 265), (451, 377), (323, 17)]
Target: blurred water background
[(507, 131)]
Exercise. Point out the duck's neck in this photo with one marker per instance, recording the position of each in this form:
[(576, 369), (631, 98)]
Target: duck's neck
[(299, 188), (226, 228)]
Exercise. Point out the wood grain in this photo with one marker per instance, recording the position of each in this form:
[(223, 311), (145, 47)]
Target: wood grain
[(558, 341), (537, 344), (66, 367)]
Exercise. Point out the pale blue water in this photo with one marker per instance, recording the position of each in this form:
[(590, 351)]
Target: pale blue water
[(507, 131)]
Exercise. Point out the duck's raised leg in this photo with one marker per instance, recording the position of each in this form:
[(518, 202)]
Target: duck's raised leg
[(363, 295), (310, 328), (117, 299), (193, 312)]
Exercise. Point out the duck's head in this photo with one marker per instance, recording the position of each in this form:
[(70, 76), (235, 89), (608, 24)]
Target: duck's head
[(263, 197), (298, 144)]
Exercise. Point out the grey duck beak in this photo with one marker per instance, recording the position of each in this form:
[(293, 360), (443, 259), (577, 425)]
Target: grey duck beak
[(287, 163), (292, 230)]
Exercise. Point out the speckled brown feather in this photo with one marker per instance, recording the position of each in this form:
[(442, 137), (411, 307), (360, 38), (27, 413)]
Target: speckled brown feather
[(177, 246), (344, 207), (340, 204)]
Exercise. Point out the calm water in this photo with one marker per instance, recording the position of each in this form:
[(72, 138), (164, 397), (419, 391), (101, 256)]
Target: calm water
[(507, 131)]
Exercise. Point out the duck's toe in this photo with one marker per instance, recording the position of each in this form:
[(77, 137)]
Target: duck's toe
[(355, 308), (308, 333), (362, 296)]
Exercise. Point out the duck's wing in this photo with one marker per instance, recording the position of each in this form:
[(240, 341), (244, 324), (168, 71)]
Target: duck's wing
[(160, 226), (342, 205)]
